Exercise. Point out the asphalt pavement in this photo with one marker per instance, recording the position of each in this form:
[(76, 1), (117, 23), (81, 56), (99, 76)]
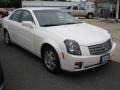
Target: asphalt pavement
[(24, 71)]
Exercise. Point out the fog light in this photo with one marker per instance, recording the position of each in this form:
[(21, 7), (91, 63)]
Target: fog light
[(78, 65)]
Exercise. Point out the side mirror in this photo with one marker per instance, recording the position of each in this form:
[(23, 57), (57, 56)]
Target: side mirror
[(27, 24)]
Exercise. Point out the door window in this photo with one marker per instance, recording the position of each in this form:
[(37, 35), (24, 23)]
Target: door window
[(81, 8), (16, 15), (26, 16), (75, 8)]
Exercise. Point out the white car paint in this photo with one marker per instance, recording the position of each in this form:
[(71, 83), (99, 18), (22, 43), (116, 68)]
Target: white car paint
[(32, 39)]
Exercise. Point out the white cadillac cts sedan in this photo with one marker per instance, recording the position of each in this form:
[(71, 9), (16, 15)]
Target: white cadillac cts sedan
[(59, 39)]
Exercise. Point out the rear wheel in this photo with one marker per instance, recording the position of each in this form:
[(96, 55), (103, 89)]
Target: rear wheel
[(51, 59), (90, 16), (7, 38)]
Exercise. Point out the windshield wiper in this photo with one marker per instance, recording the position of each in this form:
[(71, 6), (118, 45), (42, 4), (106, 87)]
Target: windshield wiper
[(47, 25), (69, 23)]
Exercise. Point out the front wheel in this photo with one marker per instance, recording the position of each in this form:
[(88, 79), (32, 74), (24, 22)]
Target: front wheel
[(51, 59)]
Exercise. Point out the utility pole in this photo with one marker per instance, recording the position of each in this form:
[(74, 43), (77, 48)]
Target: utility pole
[(117, 10)]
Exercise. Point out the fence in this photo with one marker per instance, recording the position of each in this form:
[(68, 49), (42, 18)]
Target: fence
[(106, 13)]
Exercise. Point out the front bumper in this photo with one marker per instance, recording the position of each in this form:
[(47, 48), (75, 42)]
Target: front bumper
[(68, 63)]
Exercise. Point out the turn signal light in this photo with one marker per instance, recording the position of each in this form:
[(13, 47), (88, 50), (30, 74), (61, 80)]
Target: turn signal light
[(78, 65)]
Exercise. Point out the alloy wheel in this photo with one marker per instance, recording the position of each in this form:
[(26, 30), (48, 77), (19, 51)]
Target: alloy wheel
[(50, 60)]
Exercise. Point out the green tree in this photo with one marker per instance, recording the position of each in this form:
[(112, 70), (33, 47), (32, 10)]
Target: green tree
[(13, 3), (2, 4)]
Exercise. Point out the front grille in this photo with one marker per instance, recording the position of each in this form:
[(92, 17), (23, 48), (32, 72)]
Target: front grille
[(100, 48)]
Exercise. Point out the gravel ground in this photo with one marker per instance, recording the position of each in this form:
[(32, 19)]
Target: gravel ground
[(113, 28)]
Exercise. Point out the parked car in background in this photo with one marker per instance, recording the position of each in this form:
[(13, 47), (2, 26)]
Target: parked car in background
[(3, 12), (58, 38), (84, 9)]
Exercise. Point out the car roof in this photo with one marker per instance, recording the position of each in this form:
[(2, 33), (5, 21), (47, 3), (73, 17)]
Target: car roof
[(39, 8)]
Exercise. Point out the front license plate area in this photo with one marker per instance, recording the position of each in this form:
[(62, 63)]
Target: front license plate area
[(104, 58)]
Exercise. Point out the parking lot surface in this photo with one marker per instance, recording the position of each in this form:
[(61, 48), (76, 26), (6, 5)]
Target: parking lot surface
[(24, 71)]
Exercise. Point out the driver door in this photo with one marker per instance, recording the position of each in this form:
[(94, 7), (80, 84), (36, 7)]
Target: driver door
[(26, 34), (75, 11)]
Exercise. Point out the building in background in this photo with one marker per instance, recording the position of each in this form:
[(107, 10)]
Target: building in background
[(58, 0), (36, 3), (53, 3)]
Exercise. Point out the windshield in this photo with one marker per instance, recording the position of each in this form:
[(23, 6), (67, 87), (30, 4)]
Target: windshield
[(54, 18)]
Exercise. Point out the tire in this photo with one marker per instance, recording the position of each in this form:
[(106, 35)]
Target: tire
[(51, 59), (90, 16), (7, 38)]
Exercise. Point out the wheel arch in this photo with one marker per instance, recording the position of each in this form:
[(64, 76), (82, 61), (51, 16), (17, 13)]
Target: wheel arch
[(57, 68), (90, 13), (52, 45)]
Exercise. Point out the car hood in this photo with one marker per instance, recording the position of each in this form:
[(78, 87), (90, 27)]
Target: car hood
[(85, 34)]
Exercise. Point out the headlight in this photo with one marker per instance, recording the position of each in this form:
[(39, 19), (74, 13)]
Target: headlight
[(72, 47)]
